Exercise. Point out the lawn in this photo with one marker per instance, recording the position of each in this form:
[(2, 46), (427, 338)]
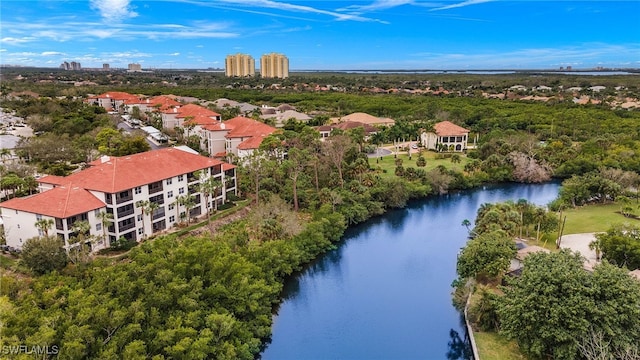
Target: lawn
[(388, 162), (492, 346), (594, 218)]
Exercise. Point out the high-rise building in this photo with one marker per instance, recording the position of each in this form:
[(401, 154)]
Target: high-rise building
[(71, 66), (105, 67), (135, 67), (240, 65), (274, 65)]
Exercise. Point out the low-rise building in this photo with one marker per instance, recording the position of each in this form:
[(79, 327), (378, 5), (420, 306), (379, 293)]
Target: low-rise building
[(117, 186), (239, 136), (447, 137)]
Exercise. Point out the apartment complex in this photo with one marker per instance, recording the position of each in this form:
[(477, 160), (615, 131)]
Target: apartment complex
[(134, 67), (274, 65), (71, 66), (240, 65), (117, 186)]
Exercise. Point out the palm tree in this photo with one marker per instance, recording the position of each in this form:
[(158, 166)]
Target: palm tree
[(81, 230), (210, 187), (44, 225), (189, 202), (148, 208), (105, 219), (466, 223)]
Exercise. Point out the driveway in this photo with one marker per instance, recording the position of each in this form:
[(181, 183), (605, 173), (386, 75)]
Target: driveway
[(580, 243)]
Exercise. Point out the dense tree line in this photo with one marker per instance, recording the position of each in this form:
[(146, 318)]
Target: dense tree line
[(554, 308)]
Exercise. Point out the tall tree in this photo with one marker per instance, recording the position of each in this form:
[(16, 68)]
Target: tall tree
[(336, 148), (44, 225)]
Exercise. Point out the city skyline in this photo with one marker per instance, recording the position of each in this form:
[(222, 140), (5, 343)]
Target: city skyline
[(323, 35)]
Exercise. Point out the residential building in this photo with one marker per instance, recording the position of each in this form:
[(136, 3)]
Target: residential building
[(105, 67), (239, 136), (366, 119), (117, 186), (176, 116), (447, 137), (240, 65), (274, 65), (113, 100), (325, 130), (134, 67), (71, 66)]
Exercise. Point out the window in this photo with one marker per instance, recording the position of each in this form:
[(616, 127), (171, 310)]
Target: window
[(98, 227), (18, 226), (172, 206), (96, 212), (180, 177), (169, 181), (138, 190), (170, 194), (40, 232), (172, 219), (38, 217), (140, 217), (181, 190), (140, 231)]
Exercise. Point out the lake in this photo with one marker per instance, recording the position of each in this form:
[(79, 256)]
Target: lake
[(385, 292)]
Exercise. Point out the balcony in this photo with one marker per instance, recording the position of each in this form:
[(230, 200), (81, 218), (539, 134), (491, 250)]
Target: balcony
[(125, 210), (155, 187), (123, 197), (126, 225), (158, 213)]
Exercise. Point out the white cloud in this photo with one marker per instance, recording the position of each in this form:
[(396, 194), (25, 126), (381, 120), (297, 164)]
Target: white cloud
[(174, 54), (462, 4), (17, 41), (51, 53), (114, 10)]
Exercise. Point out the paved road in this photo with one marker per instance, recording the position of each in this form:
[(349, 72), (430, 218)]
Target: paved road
[(125, 127)]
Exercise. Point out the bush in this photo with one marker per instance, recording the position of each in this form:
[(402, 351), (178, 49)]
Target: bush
[(43, 255)]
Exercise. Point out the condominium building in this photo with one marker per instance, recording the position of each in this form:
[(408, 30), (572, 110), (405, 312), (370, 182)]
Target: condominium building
[(118, 186), (134, 67), (240, 65), (274, 65)]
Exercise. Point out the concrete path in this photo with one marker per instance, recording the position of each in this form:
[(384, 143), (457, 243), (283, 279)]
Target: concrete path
[(580, 243)]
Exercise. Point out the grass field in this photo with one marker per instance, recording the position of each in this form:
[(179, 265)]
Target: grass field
[(491, 346), (594, 218), (388, 162)]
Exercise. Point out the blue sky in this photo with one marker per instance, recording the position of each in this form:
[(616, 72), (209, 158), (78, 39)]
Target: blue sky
[(323, 35)]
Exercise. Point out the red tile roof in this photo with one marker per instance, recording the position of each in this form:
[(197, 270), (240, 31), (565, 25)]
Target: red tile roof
[(116, 95), (60, 202), (113, 174), (162, 102), (192, 110), (53, 179), (447, 128), (201, 120), (242, 127)]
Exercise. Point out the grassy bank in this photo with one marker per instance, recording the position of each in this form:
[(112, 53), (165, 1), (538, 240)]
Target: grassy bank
[(594, 218), (388, 163), (492, 346)]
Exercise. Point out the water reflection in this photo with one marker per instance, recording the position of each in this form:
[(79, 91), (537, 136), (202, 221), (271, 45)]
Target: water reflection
[(384, 293)]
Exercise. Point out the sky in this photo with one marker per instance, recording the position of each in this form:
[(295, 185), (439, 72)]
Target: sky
[(323, 35)]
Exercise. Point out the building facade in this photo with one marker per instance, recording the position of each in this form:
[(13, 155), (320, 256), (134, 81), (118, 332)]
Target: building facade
[(240, 65), (119, 186), (274, 65), (447, 137)]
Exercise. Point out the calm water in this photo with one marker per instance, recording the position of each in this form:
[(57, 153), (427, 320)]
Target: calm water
[(385, 292)]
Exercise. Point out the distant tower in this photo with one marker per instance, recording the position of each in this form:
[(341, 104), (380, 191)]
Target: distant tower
[(240, 65), (274, 65), (135, 67), (105, 67)]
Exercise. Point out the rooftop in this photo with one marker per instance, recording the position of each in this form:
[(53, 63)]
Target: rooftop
[(59, 202), (447, 128)]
